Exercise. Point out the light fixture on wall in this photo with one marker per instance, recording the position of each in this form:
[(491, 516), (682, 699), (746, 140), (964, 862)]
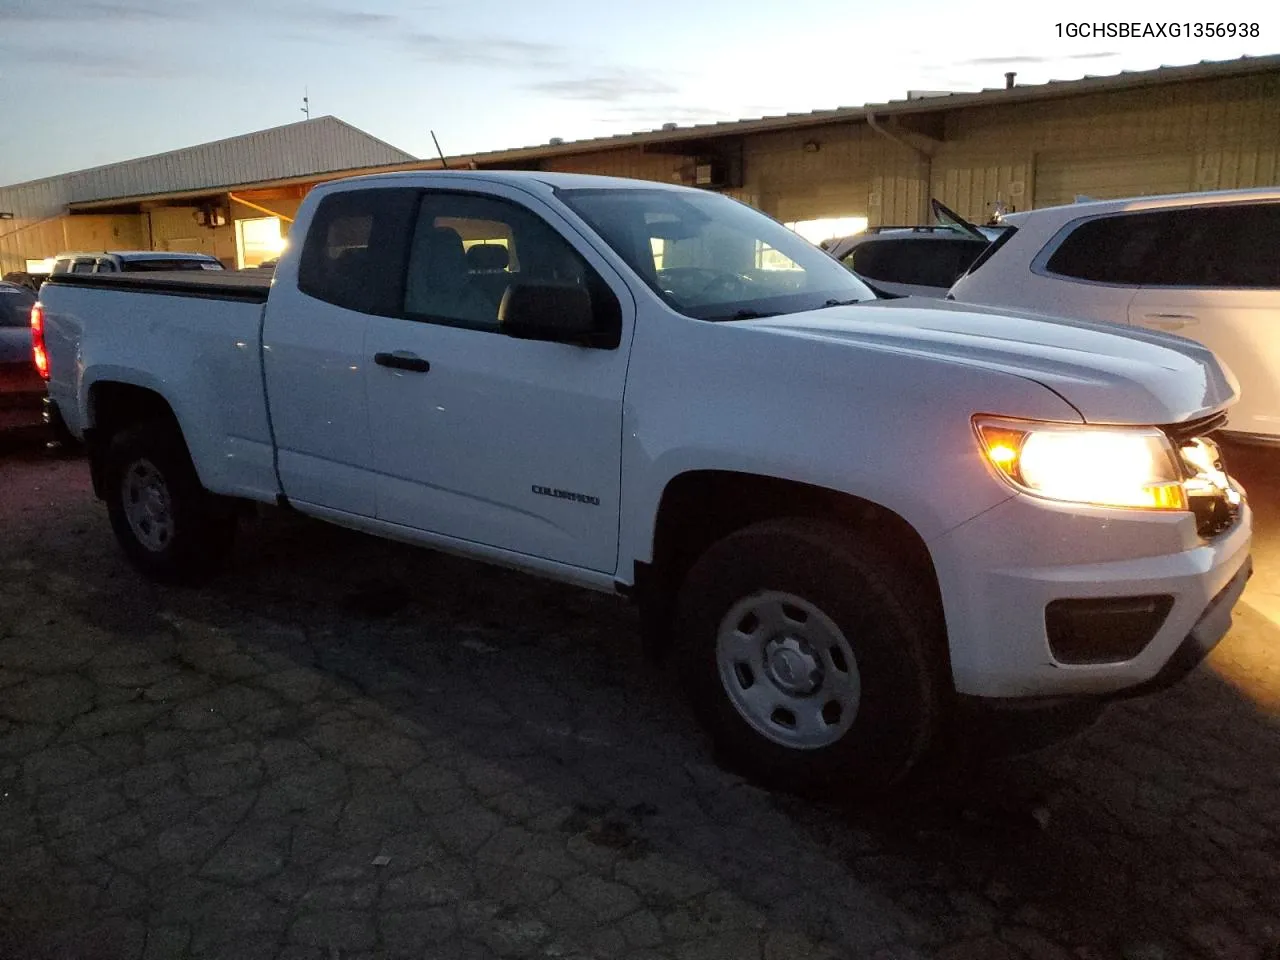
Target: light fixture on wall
[(812, 146)]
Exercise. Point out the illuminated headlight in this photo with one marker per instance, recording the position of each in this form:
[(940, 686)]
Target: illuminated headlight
[(1108, 466)]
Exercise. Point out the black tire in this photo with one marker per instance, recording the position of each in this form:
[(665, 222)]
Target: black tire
[(202, 528), (891, 622)]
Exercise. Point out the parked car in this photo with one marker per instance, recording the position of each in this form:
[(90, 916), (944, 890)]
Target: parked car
[(1201, 265), (132, 261), (854, 519), (922, 261), (21, 386), (24, 278)]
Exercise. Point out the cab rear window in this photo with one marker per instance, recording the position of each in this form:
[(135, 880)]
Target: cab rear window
[(152, 266)]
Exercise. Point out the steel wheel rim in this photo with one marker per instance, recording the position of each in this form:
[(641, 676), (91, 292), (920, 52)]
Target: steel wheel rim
[(147, 505), (788, 670)]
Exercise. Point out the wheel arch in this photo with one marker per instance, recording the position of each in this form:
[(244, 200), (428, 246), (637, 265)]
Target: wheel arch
[(116, 405), (700, 507)]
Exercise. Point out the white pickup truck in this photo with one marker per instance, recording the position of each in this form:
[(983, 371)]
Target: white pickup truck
[(850, 519)]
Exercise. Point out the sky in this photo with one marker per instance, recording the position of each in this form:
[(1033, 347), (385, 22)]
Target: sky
[(89, 82)]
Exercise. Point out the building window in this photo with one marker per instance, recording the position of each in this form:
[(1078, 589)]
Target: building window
[(258, 240)]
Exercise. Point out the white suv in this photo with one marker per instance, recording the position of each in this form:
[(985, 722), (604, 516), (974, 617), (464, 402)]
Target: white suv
[(1201, 265), (132, 261)]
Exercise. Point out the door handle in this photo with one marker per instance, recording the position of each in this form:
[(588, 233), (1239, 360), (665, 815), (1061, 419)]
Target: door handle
[(1169, 321), (402, 360)]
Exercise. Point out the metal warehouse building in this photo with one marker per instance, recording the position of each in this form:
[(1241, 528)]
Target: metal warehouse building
[(1208, 126), (182, 200)]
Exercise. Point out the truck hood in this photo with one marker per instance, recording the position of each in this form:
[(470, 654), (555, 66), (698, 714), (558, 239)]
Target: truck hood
[(1110, 374)]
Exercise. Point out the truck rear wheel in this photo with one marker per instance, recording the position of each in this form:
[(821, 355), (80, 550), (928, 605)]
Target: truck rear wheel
[(169, 526), (812, 656)]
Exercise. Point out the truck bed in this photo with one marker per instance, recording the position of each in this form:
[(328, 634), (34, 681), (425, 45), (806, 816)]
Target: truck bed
[(251, 286)]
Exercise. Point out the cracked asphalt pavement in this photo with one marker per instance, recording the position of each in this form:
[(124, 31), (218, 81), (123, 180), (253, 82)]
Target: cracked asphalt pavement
[(346, 748)]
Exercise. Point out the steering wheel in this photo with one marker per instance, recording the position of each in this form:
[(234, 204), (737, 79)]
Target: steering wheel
[(735, 286)]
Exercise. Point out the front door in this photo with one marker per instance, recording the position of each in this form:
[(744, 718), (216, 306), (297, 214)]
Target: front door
[(1242, 327), (482, 437)]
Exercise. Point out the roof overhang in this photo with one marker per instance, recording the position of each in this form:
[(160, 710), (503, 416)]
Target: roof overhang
[(119, 204)]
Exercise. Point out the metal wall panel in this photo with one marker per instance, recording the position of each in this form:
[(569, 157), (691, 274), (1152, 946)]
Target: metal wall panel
[(1060, 179), (119, 232), (1205, 135), (791, 182), (630, 162), (971, 186)]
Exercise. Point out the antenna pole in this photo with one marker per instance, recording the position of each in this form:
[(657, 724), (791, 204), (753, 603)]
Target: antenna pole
[(306, 102), (443, 162)]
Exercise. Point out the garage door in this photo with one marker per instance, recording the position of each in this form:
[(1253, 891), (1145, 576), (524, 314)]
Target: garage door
[(1061, 179)]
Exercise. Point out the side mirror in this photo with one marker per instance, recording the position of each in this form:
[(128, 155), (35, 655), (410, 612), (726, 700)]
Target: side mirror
[(552, 312)]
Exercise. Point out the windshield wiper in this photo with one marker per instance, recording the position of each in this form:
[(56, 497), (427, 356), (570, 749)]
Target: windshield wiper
[(841, 303), (745, 315)]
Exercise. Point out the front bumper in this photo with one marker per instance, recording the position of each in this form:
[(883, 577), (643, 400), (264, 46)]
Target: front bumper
[(1204, 636), (999, 572)]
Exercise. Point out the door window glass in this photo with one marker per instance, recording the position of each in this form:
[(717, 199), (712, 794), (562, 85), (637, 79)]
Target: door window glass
[(354, 253), (1112, 249), (468, 250), (1226, 247)]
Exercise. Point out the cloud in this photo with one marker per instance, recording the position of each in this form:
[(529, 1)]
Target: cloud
[(1016, 61), (485, 51), (604, 87), (655, 116), (335, 24), (348, 20), (16, 12), (98, 64)]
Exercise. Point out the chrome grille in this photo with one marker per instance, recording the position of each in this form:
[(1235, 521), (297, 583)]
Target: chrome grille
[(1213, 497)]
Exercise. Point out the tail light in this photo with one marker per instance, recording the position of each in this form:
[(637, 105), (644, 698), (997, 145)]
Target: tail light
[(38, 355)]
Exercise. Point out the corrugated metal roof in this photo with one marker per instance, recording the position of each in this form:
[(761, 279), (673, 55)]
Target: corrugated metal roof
[(318, 146), (1125, 79)]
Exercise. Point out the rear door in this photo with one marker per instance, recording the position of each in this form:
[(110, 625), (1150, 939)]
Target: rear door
[(480, 436), (314, 354), (1217, 281)]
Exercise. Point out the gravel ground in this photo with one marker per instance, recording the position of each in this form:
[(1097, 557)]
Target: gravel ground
[(349, 748)]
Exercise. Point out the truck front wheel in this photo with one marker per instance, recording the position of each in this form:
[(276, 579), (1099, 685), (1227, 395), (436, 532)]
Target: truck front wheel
[(169, 526), (811, 655)]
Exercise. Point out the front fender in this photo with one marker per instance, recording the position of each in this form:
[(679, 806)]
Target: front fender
[(888, 428)]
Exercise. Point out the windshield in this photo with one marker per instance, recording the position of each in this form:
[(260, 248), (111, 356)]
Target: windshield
[(713, 258)]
